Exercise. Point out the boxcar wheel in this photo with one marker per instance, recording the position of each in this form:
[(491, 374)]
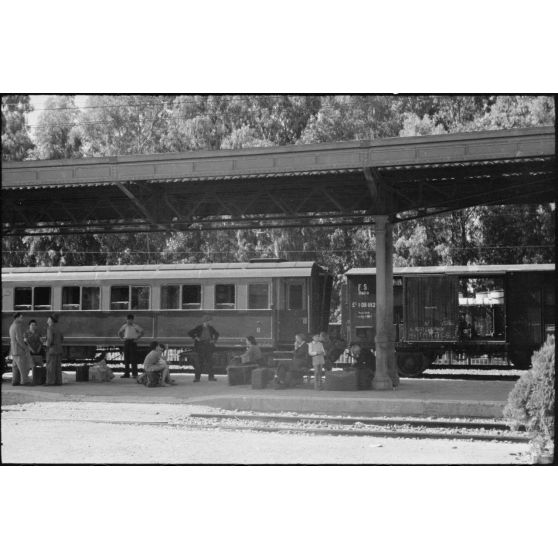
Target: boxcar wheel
[(520, 358), (410, 364)]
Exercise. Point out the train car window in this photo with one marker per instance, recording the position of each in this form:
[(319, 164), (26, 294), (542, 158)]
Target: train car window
[(140, 298), (41, 298), (119, 298), (191, 296), (170, 297), (224, 296), (90, 298), (70, 298), (23, 298), (481, 308), (296, 296), (258, 296)]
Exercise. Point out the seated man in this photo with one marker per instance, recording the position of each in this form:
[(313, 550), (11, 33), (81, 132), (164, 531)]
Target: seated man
[(365, 363), (334, 348), (156, 370), (252, 355), (288, 375), (249, 360)]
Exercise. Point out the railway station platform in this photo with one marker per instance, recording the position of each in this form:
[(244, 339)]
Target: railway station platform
[(422, 397)]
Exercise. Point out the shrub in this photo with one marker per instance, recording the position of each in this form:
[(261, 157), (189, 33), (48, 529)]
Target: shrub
[(531, 402)]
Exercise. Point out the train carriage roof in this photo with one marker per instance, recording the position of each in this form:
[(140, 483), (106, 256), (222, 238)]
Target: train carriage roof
[(162, 271), (456, 269)]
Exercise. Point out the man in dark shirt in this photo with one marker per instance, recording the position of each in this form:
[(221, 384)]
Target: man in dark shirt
[(205, 336), (365, 363)]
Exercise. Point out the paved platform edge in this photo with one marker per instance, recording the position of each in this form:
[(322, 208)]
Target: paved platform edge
[(365, 406), (357, 406)]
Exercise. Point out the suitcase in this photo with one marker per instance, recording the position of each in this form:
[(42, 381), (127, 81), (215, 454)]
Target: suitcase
[(341, 380), (261, 377), (39, 375), (82, 373), (239, 375)]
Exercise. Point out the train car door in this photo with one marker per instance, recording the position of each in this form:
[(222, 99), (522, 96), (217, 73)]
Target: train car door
[(549, 308), (293, 312), (525, 319), (320, 302)]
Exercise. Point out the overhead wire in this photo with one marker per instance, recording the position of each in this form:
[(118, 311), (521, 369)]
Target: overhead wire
[(204, 253), (193, 101), (172, 105)]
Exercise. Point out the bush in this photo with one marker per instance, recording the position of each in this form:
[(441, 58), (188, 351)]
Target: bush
[(531, 402)]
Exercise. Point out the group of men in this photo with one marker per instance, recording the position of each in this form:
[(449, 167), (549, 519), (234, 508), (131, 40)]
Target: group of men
[(204, 335), (29, 349), (289, 374)]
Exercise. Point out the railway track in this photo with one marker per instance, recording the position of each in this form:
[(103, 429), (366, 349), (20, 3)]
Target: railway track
[(463, 375), (360, 426), (437, 429)]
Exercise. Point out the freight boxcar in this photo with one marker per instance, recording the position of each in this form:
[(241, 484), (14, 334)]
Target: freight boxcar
[(269, 299), (469, 310)]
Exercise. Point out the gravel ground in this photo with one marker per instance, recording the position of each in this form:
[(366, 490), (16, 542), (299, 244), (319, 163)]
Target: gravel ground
[(84, 432)]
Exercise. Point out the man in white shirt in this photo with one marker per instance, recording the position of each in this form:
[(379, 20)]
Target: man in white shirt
[(130, 333)]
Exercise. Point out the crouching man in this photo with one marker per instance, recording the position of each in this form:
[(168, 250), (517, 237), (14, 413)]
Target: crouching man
[(156, 370)]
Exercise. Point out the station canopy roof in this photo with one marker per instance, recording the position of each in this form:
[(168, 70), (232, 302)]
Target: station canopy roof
[(343, 183), (176, 272)]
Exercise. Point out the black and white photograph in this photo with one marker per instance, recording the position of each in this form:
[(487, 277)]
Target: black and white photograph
[(278, 279)]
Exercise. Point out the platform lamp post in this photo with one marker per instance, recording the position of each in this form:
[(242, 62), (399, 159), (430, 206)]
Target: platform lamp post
[(386, 376)]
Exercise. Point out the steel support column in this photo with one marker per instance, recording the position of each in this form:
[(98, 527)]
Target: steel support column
[(386, 373)]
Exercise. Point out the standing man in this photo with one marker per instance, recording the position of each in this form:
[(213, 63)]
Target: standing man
[(131, 333), (35, 343), (21, 358), (54, 352), (205, 336)]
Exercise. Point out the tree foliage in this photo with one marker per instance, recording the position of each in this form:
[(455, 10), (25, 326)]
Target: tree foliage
[(58, 135), (16, 143), (531, 403)]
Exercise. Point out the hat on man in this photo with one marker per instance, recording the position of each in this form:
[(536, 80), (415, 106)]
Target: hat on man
[(206, 318)]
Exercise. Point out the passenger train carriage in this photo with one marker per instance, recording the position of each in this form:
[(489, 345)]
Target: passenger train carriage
[(271, 300), (470, 310)]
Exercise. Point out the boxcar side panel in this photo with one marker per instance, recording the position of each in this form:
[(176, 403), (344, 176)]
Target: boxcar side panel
[(430, 308), (361, 305)]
